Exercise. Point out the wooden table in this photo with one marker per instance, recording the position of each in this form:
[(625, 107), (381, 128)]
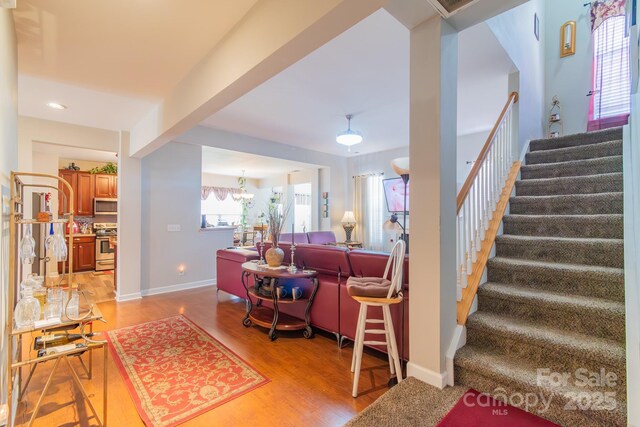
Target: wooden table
[(265, 282)]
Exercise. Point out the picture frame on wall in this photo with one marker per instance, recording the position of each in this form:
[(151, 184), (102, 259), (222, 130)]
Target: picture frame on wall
[(536, 26)]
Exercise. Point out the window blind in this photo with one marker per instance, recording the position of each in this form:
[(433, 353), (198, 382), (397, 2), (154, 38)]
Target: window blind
[(611, 73)]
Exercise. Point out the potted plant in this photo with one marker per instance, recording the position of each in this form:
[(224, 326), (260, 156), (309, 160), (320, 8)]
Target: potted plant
[(275, 221)]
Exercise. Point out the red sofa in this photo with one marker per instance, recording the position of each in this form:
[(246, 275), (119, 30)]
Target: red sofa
[(333, 310)]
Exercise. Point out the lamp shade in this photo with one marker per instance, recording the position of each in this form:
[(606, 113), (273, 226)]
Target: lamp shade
[(348, 218), (349, 137), (400, 165)]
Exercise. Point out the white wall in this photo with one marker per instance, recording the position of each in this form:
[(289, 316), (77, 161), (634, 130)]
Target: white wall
[(171, 183), (8, 162), (514, 31), (469, 147), (632, 254), (569, 77), (372, 163)]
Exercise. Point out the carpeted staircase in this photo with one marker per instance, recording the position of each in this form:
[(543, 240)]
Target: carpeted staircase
[(555, 292)]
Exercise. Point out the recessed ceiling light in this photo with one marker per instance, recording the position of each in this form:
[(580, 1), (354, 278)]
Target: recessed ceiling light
[(56, 106)]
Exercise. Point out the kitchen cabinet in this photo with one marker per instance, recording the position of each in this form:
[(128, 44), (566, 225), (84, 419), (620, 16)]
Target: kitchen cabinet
[(83, 185), (106, 186), (84, 254)]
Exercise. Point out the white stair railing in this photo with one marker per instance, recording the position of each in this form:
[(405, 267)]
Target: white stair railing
[(479, 196)]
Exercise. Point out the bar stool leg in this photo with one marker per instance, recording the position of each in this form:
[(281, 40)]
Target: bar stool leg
[(361, 327), (355, 341), (392, 336), (392, 367)]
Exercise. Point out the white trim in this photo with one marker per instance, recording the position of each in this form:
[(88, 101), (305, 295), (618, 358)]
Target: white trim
[(524, 152), (457, 342), (436, 379), (128, 297), (178, 287)]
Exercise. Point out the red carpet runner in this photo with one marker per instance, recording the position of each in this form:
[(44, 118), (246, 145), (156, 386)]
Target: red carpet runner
[(175, 371), (475, 409)]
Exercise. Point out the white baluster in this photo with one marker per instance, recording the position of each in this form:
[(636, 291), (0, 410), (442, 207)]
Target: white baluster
[(469, 236)]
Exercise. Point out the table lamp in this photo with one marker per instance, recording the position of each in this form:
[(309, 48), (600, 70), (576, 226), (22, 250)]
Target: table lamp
[(348, 223)]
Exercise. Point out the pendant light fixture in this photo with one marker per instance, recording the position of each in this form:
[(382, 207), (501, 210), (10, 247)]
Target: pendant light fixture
[(349, 137)]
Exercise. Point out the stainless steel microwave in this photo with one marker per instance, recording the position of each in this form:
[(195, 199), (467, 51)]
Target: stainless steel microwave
[(102, 206)]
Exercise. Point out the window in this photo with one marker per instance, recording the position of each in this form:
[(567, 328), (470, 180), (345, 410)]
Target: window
[(224, 211), (302, 207), (610, 102), (370, 211)]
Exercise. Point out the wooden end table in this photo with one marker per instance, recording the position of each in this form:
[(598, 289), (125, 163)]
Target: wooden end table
[(265, 282)]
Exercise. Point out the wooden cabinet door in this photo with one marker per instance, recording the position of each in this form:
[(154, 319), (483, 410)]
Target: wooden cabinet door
[(63, 201), (86, 253), (84, 194), (114, 186), (103, 184)]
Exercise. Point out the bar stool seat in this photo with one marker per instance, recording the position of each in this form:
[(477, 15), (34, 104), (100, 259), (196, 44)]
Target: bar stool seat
[(378, 292)]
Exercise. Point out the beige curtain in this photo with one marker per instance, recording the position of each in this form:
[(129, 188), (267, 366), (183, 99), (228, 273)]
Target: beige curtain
[(220, 193), (369, 210)]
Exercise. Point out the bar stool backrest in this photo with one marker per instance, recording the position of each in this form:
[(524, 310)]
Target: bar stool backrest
[(396, 264)]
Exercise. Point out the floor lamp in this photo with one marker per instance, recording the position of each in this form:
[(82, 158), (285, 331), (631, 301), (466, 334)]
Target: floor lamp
[(401, 167)]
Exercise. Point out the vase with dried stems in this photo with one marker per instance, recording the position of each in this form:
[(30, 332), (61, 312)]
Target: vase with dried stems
[(276, 216)]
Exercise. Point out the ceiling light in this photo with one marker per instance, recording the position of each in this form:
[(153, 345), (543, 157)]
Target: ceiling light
[(349, 137), (56, 106)]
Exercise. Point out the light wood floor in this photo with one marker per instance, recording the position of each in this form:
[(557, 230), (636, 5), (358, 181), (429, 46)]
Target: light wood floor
[(310, 379)]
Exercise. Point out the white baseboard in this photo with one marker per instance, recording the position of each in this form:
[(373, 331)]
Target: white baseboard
[(179, 287), (436, 379), (128, 297), (457, 342)]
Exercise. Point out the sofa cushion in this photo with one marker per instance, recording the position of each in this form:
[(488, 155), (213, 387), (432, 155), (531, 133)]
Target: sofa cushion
[(299, 238), (371, 287), (236, 254), (321, 237), (326, 260), (372, 264)]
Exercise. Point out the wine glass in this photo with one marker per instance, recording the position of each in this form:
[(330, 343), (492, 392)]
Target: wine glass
[(59, 245), (27, 247)]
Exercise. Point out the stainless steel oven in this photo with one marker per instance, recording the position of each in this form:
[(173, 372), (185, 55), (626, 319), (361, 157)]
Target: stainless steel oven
[(104, 253)]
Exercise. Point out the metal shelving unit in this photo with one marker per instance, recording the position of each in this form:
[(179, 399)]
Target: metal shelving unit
[(19, 357)]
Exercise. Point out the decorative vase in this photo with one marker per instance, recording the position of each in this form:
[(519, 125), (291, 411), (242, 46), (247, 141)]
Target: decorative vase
[(274, 256)]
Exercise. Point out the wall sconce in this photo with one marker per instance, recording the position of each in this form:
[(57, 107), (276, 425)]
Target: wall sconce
[(568, 39)]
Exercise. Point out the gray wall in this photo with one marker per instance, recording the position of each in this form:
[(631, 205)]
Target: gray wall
[(171, 181), (514, 31), (8, 162), (569, 77)]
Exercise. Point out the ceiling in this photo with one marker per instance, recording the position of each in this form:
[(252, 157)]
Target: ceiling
[(139, 48), (75, 153), (86, 107), (364, 72), (226, 162)]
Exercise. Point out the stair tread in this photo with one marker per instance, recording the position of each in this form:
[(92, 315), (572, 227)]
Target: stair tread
[(557, 265), (570, 163), (543, 239), (566, 196), (553, 300), (578, 148), (539, 217), (509, 370), (584, 346), (578, 178), (602, 136)]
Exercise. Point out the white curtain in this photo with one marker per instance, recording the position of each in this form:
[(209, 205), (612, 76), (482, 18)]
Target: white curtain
[(369, 210)]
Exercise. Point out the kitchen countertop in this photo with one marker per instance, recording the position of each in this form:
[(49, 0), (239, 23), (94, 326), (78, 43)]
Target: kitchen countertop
[(82, 235)]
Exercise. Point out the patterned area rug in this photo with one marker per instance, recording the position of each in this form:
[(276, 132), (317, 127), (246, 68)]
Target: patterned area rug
[(175, 371)]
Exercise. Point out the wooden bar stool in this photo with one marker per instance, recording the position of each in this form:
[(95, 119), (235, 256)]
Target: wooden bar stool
[(378, 292)]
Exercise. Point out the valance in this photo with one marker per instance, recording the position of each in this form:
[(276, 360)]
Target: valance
[(220, 193), (601, 10)]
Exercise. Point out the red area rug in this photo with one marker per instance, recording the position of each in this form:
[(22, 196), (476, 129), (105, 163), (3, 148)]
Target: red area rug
[(175, 370), (476, 409)]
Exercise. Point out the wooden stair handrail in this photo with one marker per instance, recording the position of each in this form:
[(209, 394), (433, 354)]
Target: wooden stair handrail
[(464, 191), (473, 282)]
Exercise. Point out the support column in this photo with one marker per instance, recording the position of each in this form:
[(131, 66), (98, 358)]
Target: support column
[(432, 272), (129, 223)]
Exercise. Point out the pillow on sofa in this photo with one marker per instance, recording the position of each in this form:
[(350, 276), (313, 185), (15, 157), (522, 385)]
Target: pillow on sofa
[(321, 237)]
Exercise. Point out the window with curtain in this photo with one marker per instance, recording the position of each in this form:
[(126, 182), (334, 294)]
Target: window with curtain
[(221, 205), (369, 210), (610, 102)]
